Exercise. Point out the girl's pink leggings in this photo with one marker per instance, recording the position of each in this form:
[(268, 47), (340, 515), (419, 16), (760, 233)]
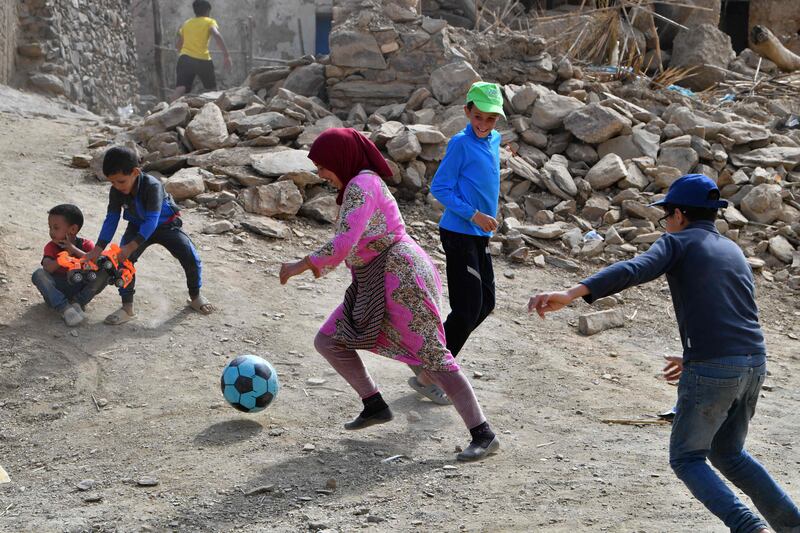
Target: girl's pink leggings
[(349, 365)]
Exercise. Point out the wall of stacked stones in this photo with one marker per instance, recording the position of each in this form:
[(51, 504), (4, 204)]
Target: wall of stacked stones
[(81, 49)]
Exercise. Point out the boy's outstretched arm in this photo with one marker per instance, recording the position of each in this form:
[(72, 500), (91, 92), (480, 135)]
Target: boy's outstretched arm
[(226, 61), (547, 302)]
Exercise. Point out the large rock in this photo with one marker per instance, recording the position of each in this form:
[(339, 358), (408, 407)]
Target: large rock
[(405, 147), (558, 179), (452, 81), (745, 132), (427, 134), (647, 141), (681, 157), (546, 231), (703, 48), (763, 203), (227, 157), (551, 109), (175, 115), (624, 146), (207, 129), (689, 122), (781, 248), (268, 121), (606, 172), (187, 183), (322, 208), (595, 123), (788, 156), (283, 162), (281, 199), (236, 98), (355, 49), (308, 80), (268, 227), (48, 83)]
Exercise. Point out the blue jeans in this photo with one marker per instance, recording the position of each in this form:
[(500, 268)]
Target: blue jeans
[(716, 400), (58, 293)]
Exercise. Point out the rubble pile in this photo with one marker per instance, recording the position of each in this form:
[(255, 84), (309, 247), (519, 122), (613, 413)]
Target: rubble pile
[(580, 164)]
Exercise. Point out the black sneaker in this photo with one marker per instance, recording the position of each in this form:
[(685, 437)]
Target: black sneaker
[(361, 422), (475, 452)]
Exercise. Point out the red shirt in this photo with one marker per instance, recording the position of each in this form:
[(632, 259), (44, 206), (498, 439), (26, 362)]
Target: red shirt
[(52, 250)]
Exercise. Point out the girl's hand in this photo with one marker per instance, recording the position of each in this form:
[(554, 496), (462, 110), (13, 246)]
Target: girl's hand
[(548, 302), (289, 270)]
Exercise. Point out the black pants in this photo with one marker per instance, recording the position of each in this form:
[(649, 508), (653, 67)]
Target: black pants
[(171, 237), (189, 67), (470, 281)]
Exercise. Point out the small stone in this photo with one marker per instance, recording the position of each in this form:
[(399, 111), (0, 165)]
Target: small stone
[(276, 432), (260, 490), (477, 375), (102, 402), (331, 484), (93, 498), (147, 481), (86, 484), (375, 519), (316, 382), (591, 323), (309, 447), (413, 416)]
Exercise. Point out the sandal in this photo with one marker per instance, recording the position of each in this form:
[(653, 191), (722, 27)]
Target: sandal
[(120, 316), (201, 305), (431, 392)]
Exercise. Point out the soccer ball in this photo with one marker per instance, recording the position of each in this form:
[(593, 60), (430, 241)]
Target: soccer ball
[(249, 383)]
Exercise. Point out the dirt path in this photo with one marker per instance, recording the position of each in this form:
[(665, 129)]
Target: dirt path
[(544, 388)]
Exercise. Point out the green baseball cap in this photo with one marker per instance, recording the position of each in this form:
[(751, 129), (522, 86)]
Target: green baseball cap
[(487, 97)]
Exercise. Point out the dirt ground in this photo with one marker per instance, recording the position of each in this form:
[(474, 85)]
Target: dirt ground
[(544, 388)]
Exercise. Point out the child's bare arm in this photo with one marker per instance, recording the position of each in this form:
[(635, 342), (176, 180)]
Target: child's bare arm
[(221, 43), (49, 265), (547, 302), (179, 42)]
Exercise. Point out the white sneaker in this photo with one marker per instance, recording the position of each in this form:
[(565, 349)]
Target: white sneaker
[(73, 316)]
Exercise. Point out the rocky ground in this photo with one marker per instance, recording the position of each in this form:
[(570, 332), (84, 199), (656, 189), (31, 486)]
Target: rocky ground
[(125, 429)]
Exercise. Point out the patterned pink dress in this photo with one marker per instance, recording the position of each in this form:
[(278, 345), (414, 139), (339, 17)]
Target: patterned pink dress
[(369, 224)]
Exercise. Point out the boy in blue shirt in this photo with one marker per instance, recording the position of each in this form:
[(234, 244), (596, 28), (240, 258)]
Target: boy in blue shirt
[(467, 183), (153, 218), (724, 356)]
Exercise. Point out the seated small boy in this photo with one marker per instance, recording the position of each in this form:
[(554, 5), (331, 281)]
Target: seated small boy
[(65, 221), (153, 218)]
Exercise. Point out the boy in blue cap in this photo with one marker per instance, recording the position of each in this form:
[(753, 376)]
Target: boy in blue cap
[(467, 183), (724, 356)]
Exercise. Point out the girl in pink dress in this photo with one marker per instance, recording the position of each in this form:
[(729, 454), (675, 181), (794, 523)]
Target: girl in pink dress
[(392, 306)]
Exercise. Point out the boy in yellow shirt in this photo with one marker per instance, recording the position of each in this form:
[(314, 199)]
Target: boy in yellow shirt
[(195, 59)]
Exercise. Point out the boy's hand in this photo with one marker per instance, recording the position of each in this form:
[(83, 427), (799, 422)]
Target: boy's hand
[(484, 221), (226, 63), (548, 302), (674, 367), (126, 251), (67, 245), (92, 255)]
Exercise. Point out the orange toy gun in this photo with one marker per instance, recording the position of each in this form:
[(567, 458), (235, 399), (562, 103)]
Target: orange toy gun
[(119, 275)]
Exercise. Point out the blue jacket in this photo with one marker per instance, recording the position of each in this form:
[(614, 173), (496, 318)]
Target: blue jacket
[(146, 207), (468, 180), (711, 285)]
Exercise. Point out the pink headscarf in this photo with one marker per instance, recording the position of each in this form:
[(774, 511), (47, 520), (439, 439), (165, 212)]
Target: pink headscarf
[(346, 152)]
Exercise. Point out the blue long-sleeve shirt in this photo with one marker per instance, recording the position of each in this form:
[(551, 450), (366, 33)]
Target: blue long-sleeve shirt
[(712, 290), (468, 180), (147, 207)]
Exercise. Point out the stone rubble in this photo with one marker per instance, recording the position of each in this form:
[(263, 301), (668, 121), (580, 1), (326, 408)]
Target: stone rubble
[(575, 158)]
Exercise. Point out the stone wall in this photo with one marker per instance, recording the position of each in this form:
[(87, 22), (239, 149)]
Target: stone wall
[(781, 17), (82, 49), (276, 30), (8, 38)]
